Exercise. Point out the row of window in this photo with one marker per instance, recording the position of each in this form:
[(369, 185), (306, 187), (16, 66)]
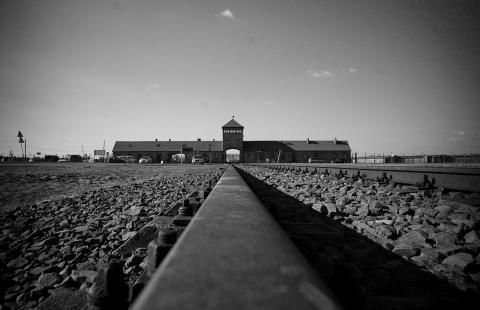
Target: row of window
[(228, 142), (232, 131)]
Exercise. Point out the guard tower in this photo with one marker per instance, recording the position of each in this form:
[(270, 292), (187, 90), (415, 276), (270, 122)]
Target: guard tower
[(233, 141)]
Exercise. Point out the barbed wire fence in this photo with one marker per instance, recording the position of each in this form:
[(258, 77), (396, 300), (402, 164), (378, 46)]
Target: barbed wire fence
[(422, 158)]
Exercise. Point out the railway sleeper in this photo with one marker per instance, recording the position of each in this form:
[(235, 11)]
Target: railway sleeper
[(430, 178), (110, 290), (234, 255), (356, 256)]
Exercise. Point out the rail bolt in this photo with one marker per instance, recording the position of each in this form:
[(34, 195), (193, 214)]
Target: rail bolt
[(158, 249), (109, 291), (206, 192), (186, 209)]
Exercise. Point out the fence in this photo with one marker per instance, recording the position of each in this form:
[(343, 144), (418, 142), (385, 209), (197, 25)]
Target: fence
[(414, 158)]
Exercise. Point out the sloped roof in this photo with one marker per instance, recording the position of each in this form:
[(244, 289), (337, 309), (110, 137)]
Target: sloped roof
[(166, 146), (297, 145), (232, 124)]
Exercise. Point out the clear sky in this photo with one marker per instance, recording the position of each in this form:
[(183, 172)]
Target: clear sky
[(388, 76)]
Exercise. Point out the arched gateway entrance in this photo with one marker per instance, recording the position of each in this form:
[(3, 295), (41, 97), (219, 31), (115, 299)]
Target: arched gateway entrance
[(232, 156), (233, 141)]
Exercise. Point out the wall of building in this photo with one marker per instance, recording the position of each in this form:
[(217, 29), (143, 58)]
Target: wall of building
[(298, 156), (166, 156), (249, 156), (326, 156), (262, 156)]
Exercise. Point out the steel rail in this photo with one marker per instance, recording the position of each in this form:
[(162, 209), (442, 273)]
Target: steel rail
[(452, 178), (233, 255)]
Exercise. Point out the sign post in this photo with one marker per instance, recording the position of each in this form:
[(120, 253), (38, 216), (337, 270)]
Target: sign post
[(20, 140)]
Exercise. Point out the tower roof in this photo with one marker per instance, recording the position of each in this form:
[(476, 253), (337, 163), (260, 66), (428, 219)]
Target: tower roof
[(232, 124)]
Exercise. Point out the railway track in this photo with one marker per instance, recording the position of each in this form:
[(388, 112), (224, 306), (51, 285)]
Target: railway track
[(448, 177), (282, 237), (252, 246), (233, 255)]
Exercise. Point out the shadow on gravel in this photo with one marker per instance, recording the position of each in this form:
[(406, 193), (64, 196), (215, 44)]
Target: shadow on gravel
[(361, 273)]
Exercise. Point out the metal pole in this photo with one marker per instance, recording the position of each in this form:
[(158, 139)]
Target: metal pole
[(25, 149)]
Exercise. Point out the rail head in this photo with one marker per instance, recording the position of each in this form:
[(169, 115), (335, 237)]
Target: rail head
[(233, 255), (453, 178)]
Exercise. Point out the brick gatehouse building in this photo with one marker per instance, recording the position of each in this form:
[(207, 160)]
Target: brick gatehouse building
[(234, 149)]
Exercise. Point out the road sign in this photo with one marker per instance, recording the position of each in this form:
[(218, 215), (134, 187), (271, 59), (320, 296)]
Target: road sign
[(20, 140), (19, 134)]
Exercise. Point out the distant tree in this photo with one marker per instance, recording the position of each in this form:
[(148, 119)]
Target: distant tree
[(10, 154)]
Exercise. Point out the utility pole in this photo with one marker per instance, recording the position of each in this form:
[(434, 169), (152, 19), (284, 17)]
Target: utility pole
[(104, 151), (210, 152)]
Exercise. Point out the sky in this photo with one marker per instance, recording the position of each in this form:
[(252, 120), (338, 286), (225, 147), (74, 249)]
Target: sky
[(388, 76)]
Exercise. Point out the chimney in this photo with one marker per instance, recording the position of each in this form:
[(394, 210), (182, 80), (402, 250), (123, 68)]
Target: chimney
[(169, 140), (308, 141), (198, 139)]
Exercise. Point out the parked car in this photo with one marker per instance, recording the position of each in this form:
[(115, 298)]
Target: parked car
[(339, 161), (315, 160), (62, 160), (75, 158), (178, 158), (197, 159), (52, 158), (144, 160)]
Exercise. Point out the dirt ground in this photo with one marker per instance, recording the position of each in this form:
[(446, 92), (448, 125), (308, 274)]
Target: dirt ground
[(29, 183)]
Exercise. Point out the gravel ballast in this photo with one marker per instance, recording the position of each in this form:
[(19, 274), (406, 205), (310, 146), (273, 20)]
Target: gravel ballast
[(54, 244), (405, 247)]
